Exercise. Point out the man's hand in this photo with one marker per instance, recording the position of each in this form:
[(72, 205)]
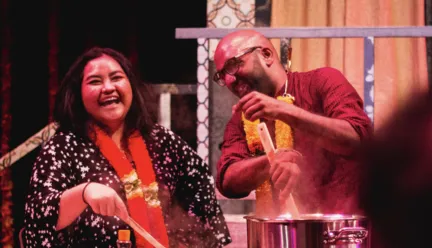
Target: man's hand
[(256, 105), (284, 171)]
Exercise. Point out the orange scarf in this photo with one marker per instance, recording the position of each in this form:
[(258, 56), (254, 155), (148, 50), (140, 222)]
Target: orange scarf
[(140, 185)]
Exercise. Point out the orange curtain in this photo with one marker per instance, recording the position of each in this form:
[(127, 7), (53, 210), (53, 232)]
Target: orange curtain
[(400, 63)]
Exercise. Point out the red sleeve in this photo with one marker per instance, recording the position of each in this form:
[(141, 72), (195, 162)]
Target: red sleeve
[(234, 148), (341, 101)]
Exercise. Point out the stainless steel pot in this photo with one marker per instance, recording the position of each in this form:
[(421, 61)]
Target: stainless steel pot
[(309, 231)]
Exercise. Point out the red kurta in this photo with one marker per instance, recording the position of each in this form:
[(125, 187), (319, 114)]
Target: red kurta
[(328, 182)]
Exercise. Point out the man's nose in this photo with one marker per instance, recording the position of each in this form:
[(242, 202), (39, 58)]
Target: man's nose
[(229, 79)]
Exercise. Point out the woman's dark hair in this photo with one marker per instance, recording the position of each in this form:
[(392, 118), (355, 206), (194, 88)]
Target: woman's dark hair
[(69, 110)]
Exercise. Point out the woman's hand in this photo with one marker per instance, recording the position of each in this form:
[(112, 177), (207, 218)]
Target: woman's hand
[(104, 200)]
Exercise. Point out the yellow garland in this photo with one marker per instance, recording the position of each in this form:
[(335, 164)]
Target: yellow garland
[(265, 201)]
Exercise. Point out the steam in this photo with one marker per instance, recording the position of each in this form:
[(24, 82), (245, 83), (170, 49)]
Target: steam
[(327, 184), (188, 228)]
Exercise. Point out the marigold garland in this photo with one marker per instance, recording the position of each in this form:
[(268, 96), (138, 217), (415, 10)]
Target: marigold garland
[(284, 137), (266, 201), (252, 137)]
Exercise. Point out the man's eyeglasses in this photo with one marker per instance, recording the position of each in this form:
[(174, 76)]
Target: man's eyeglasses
[(231, 66)]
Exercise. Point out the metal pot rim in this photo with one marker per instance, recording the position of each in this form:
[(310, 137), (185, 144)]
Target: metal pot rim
[(317, 217)]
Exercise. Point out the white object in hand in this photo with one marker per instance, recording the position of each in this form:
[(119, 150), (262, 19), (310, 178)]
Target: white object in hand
[(269, 149)]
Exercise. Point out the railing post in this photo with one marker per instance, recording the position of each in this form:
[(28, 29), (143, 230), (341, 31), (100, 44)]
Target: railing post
[(165, 109), (203, 99), (369, 77)]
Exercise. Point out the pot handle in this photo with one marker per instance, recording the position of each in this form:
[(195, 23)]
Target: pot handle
[(346, 235)]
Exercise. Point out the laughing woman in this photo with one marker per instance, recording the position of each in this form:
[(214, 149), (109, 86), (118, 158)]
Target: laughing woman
[(109, 161)]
